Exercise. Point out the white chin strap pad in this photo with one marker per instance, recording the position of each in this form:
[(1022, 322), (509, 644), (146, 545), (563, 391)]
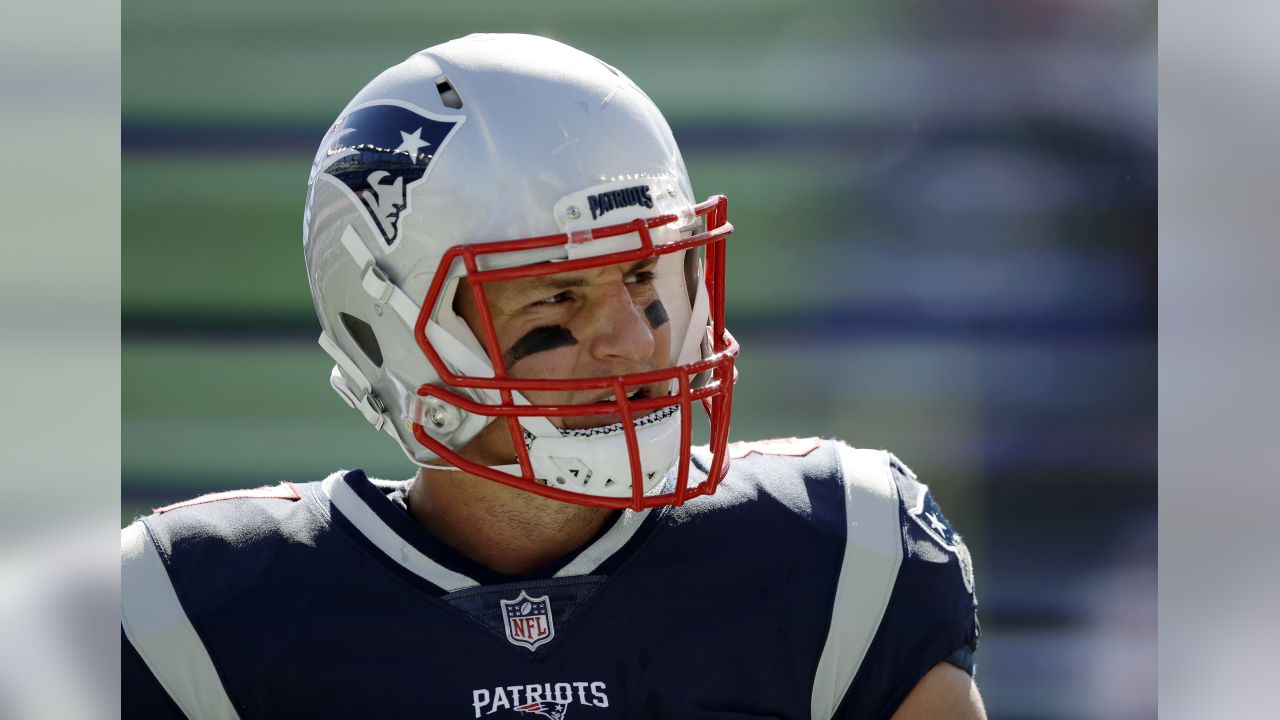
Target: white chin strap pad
[(596, 462)]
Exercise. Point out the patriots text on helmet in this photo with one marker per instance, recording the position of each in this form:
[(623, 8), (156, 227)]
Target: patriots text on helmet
[(616, 199)]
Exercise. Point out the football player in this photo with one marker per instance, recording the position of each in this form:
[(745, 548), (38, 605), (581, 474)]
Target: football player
[(519, 288)]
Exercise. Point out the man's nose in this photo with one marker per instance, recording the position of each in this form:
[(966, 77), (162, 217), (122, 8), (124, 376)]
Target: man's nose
[(621, 333)]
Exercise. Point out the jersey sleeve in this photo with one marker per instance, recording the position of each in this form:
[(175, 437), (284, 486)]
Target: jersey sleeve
[(141, 695), (162, 655), (931, 613)]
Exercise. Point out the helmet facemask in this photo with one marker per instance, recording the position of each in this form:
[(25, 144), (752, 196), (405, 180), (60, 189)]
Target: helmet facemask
[(599, 438)]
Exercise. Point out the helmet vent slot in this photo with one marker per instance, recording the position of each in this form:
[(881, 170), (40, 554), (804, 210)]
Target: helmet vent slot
[(363, 335), (448, 95)]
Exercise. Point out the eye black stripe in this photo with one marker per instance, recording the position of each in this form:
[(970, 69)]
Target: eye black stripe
[(656, 313), (540, 339)]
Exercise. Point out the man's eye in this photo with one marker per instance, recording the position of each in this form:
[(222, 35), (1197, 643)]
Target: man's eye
[(553, 299), (644, 277)]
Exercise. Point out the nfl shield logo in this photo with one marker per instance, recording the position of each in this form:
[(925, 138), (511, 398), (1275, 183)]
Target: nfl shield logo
[(528, 620)]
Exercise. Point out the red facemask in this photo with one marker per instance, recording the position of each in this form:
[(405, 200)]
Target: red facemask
[(708, 381)]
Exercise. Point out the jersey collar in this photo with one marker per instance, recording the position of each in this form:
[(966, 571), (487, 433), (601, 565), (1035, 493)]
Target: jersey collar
[(376, 511)]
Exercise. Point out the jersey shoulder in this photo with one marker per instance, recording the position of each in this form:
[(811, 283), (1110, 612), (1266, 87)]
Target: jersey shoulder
[(209, 548), (243, 521), (903, 597), (814, 476), (201, 574), (930, 615)]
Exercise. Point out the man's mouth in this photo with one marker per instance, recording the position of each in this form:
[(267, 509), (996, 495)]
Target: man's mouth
[(582, 422), (586, 426)]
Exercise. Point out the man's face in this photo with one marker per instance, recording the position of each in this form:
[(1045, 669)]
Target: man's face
[(589, 323)]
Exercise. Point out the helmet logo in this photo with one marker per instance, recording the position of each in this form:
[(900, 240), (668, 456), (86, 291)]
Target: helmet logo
[(380, 151), (618, 199), (528, 620)]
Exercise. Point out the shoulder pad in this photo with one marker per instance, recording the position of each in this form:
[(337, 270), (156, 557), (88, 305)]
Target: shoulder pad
[(791, 447), (283, 491)]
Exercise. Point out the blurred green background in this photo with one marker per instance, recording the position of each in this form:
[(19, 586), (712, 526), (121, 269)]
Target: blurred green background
[(945, 246)]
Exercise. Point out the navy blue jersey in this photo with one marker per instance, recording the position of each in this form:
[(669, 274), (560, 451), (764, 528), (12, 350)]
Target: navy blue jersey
[(819, 581)]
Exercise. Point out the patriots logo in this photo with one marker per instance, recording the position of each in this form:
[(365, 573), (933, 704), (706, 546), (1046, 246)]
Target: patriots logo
[(381, 151), (552, 710), (921, 506)]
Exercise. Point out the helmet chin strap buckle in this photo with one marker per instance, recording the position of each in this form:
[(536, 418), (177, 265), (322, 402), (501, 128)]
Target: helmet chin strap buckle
[(360, 397), (369, 404)]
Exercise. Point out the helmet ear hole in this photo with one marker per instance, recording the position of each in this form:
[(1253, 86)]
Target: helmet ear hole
[(364, 338), (693, 273), (448, 95)]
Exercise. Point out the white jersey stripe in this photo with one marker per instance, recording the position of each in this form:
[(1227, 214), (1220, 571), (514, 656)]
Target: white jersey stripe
[(353, 507), (872, 556), (589, 559), (157, 626), (388, 541)]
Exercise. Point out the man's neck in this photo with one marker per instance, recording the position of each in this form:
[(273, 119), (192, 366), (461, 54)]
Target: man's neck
[(503, 528)]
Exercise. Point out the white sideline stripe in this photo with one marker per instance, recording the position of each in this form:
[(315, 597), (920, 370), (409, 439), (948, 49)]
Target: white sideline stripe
[(386, 539), (608, 544), (872, 556), (157, 626)]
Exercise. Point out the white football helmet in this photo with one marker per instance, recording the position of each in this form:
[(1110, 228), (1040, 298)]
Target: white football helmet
[(495, 157)]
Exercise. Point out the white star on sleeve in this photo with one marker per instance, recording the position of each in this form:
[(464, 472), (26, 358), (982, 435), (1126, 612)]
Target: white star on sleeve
[(936, 523), (411, 143)]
